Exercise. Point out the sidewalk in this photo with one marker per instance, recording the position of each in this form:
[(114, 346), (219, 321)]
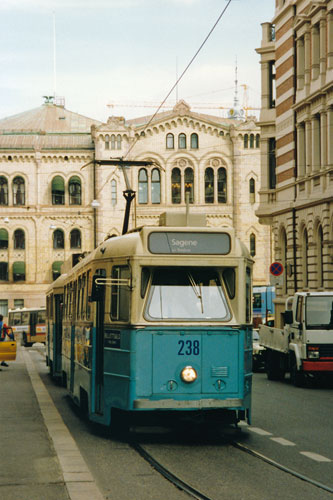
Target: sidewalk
[(39, 459)]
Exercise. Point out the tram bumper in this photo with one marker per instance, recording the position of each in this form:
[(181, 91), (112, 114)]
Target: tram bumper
[(176, 404)]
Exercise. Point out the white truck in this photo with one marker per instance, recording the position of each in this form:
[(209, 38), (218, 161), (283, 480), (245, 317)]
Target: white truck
[(305, 345)]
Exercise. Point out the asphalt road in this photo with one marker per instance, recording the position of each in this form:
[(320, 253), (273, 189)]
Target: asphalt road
[(291, 426)]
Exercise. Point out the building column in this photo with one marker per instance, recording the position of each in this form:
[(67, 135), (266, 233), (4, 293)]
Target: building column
[(307, 56), (330, 136), (301, 153), (322, 47), (300, 63), (330, 40), (308, 146), (316, 143), (323, 140), (315, 51)]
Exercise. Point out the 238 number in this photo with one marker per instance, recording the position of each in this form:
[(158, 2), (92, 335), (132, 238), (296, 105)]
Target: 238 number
[(189, 347)]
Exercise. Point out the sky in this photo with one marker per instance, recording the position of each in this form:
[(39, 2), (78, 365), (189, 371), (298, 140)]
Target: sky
[(122, 57)]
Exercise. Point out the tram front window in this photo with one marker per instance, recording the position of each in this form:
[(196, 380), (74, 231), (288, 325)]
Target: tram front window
[(187, 294)]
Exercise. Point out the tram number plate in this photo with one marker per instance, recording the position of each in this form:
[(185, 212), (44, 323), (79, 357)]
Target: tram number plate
[(189, 347)]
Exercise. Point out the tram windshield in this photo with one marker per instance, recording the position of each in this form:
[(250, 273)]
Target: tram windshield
[(187, 294)]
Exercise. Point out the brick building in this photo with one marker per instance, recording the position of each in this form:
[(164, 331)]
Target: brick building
[(296, 194)]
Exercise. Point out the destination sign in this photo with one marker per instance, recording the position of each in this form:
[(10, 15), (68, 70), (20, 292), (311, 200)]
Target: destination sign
[(189, 243)]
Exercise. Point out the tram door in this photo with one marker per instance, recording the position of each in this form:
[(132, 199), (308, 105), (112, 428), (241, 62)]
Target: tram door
[(72, 366), (98, 349), (57, 341)]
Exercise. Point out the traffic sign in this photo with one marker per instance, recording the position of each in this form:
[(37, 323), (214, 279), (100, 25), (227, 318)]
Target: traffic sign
[(276, 269)]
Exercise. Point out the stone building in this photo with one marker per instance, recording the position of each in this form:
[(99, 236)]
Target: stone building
[(296, 194), (59, 195)]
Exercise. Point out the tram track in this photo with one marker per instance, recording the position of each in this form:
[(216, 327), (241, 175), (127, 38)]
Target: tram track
[(195, 493)]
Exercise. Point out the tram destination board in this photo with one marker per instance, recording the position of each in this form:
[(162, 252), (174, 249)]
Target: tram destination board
[(189, 243)]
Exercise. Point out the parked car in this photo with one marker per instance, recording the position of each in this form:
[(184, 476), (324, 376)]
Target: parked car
[(258, 353)]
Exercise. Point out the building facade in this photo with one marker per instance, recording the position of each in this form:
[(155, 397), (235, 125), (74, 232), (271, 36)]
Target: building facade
[(60, 196), (296, 194)]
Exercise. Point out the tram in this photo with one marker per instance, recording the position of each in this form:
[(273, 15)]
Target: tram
[(28, 324), (156, 322), (263, 305)]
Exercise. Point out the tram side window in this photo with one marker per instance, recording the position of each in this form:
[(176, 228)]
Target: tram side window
[(25, 318), (16, 319), (230, 281), (41, 316), (120, 294)]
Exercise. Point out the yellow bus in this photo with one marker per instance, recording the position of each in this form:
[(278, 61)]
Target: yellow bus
[(28, 324)]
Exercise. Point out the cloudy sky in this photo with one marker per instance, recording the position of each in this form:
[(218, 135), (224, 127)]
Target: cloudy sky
[(128, 52)]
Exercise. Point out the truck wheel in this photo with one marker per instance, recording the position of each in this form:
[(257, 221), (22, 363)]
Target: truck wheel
[(296, 376), (273, 366)]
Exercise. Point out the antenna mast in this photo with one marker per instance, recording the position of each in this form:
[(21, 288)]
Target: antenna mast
[(54, 58)]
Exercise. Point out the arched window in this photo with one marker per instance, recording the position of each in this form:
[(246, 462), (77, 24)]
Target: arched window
[(182, 141), (3, 271), (252, 190), (222, 185), (176, 186), (3, 238), (252, 244), (155, 186), (58, 190), (58, 239), (107, 142), (118, 141), (170, 141), (113, 192), (18, 191), (305, 259), (75, 238), (209, 185), (56, 269), (251, 141), (3, 191), (19, 271), (257, 140), (194, 141), (320, 266), (189, 183), (74, 188), (246, 141), (113, 141), (143, 186), (19, 239)]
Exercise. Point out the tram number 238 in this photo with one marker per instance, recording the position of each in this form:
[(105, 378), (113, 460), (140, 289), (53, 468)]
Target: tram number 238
[(189, 347)]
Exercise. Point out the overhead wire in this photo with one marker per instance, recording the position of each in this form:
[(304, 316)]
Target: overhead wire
[(182, 74)]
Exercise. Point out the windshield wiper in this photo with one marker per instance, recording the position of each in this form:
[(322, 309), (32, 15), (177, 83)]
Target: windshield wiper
[(197, 290)]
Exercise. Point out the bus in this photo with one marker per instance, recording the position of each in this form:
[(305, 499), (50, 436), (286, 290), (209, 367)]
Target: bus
[(263, 305), (156, 322), (28, 324)]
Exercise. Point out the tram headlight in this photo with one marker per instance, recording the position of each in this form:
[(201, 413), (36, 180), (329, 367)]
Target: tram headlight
[(188, 374)]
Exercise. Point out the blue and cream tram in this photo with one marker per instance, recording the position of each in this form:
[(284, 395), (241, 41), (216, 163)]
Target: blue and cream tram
[(157, 320)]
